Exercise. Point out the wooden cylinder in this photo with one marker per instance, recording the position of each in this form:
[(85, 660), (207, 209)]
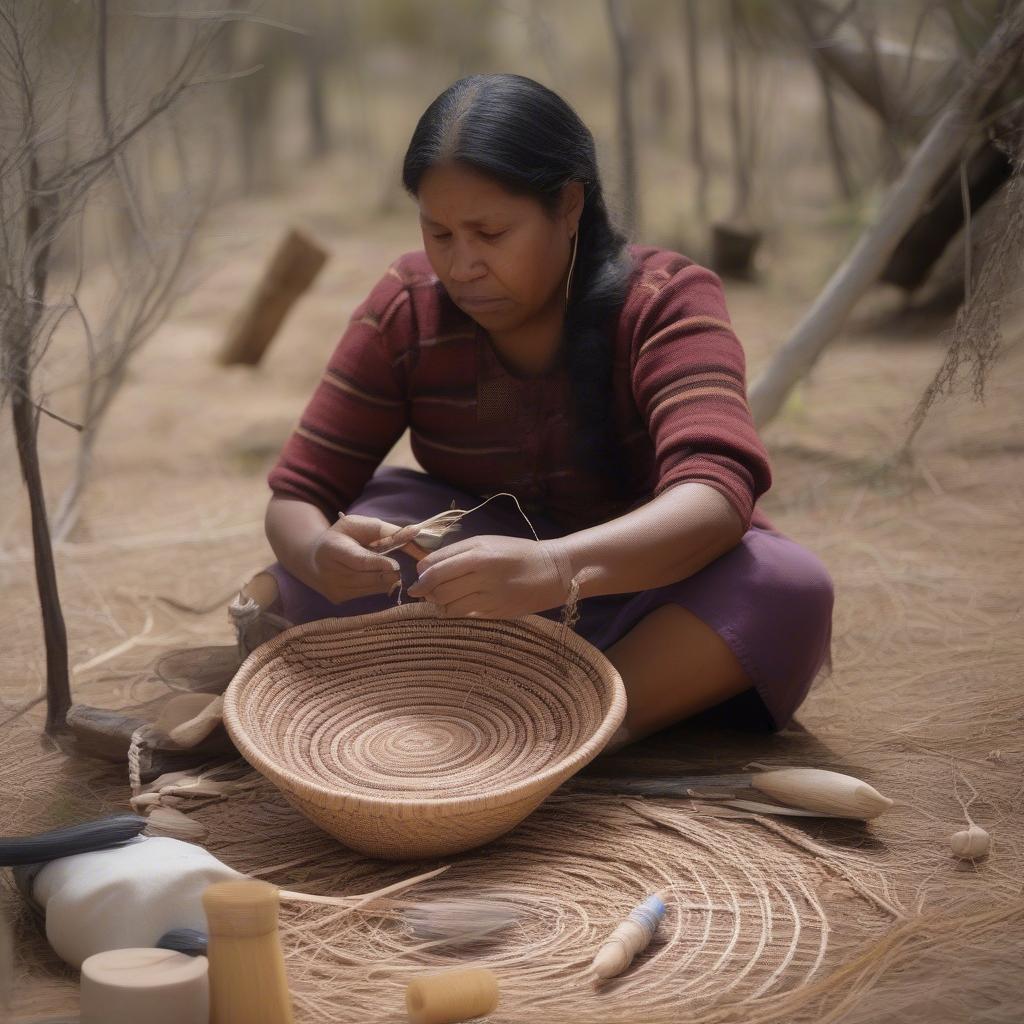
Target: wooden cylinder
[(154, 986), (293, 269), (816, 789), (248, 984), (451, 996)]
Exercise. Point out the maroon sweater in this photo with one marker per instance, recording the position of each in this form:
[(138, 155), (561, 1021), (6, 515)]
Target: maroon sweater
[(411, 358)]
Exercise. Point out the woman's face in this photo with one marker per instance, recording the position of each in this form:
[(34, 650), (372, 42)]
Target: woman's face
[(501, 257)]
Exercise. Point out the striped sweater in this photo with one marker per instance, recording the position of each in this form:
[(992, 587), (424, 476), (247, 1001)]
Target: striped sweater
[(410, 358)]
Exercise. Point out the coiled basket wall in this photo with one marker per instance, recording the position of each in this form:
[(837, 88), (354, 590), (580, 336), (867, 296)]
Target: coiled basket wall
[(409, 734)]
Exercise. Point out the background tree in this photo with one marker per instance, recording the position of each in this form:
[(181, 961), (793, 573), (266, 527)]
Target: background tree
[(735, 238), (624, 106), (949, 133), (695, 96), (49, 176)]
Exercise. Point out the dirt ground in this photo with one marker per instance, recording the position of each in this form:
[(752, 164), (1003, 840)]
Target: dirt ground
[(926, 698)]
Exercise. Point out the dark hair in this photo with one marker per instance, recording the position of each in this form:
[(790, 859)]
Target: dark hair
[(527, 138)]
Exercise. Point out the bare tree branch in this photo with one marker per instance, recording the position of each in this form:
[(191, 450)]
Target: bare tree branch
[(48, 177), (977, 333), (861, 268), (221, 17)]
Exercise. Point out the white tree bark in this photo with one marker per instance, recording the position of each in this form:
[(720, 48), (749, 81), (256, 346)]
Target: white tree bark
[(907, 195)]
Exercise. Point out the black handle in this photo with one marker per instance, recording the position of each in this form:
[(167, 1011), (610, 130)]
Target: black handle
[(64, 842)]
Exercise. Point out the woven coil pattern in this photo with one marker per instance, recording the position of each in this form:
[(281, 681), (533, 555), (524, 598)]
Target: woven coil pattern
[(409, 734)]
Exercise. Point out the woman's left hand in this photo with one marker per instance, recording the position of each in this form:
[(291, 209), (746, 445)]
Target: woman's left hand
[(494, 577)]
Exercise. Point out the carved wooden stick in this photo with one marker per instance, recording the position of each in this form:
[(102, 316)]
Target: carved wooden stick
[(813, 790)]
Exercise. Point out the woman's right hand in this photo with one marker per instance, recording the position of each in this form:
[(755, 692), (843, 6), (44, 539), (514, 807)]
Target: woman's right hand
[(342, 566)]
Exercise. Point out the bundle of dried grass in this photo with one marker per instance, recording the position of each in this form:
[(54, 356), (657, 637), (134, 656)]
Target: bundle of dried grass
[(926, 690)]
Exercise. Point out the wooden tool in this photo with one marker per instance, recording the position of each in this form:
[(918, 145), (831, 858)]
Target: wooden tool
[(814, 790), (247, 977), (630, 938)]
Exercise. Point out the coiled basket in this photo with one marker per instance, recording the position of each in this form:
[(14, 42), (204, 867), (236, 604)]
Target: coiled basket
[(409, 734)]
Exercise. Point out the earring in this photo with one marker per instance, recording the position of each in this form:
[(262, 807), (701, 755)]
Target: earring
[(572, 264)]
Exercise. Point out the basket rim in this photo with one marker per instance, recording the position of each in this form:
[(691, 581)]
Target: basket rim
[(338, 798)]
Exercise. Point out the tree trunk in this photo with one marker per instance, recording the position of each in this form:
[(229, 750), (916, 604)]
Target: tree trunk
[(58, 686), (316, 105), (861, 268), (740, 168), (734, 242), (988, 169), (697, 154), (26, 427), (627, 145), (833, 132)]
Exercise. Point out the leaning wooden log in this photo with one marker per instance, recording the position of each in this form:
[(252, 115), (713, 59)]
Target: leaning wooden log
[(988, 169), (293, 269), (906, 197), (106, 735)]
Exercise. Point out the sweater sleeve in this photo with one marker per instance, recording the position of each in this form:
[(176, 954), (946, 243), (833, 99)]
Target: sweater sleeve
[(689, 383), (358, 410)]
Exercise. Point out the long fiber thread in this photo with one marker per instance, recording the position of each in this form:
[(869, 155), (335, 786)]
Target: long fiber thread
[(947, 632), (451, 517), (746, 936)]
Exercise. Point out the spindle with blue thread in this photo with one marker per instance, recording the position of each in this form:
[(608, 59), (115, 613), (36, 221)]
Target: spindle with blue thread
[(631, 937)]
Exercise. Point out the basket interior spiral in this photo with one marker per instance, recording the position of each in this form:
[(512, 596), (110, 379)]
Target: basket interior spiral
[(409, 713)]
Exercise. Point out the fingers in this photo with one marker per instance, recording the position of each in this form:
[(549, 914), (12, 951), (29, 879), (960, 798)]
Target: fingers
[(415, 551), (468, 605), (461, 547), (440, 574), (347, 554), (364, 530), (348, 586), (398, 537), (398, 542), (447, 593), (350, 571)]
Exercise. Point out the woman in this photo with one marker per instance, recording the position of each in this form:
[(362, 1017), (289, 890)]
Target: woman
[(530, 350)]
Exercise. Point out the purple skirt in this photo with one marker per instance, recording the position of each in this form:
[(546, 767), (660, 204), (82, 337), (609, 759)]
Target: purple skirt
[(768, 598)]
